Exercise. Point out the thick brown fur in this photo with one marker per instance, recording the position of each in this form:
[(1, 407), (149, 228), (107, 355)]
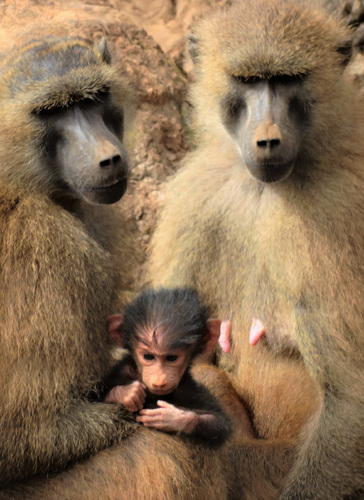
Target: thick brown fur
[(64, 267), (290, 253)]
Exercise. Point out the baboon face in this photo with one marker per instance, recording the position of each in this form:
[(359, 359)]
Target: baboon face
[(75, 103), (83, 144), (266, 83), (267, 117)]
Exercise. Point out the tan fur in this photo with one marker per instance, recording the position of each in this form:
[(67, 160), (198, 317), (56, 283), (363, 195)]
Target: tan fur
[(290, 253), (149, 465)]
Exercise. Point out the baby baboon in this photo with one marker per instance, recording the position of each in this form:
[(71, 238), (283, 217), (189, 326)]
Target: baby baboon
[(61, 155), (164, 330), (266, 220)]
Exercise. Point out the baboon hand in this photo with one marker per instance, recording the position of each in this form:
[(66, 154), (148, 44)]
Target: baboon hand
[(132, 396), (168, 418)]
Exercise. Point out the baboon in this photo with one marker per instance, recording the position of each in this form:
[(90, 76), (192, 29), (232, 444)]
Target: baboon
[(61, 155), (164, 330), (266, 221), (64, 265)]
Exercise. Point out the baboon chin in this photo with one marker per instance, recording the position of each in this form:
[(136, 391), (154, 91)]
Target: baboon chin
[(266, 220)]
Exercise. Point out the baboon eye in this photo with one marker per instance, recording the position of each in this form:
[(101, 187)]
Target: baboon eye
[(102, 94), (46, 112), (288, 79), (171, 358), (249, 80), (114, 119), (283, 79), (148, 357)]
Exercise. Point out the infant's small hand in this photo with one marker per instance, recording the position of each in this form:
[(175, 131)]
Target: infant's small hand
[(132, 396), (168, 418)]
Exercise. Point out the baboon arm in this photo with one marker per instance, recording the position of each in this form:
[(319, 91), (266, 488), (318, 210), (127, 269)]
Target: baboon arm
[(34, 444), (53, 350), (218, 383), (331, 454), (330, 461)]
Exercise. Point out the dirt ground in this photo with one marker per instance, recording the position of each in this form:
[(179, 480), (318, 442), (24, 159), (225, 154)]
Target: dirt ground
[(147, 42)]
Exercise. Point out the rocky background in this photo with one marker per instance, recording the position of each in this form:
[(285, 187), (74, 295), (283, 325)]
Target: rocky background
[(147, 42)]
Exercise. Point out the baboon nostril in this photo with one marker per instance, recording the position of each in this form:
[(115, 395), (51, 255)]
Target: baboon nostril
[(268, 143), (274, 142), (114, 160), (105, 163)]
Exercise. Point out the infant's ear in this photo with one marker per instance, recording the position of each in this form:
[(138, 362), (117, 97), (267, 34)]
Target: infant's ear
[(213, 334), (115, 329)]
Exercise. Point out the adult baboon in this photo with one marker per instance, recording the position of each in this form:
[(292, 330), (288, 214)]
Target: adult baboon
[(64, 261), (61, 150), (266, 220)]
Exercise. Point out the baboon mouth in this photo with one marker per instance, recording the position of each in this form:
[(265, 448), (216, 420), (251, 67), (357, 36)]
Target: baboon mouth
[(271, 172), (107, 186), (108, 193), (155, 392)]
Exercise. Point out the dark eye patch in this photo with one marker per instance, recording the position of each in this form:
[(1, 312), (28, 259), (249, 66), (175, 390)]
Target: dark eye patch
[(282, 79), (114, 119)]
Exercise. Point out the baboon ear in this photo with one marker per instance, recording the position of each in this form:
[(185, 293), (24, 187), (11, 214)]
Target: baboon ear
[(345, 49), (193, 47), (213, 334), (102, 48), (115, 329)]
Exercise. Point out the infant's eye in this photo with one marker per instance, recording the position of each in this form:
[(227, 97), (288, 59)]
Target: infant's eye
[(148, 357), (172, 357)]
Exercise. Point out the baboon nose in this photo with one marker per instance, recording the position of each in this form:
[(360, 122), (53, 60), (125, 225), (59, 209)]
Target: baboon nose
[(159, 382), (268, 143), (113, 161), (159, 385), (268, 136)]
